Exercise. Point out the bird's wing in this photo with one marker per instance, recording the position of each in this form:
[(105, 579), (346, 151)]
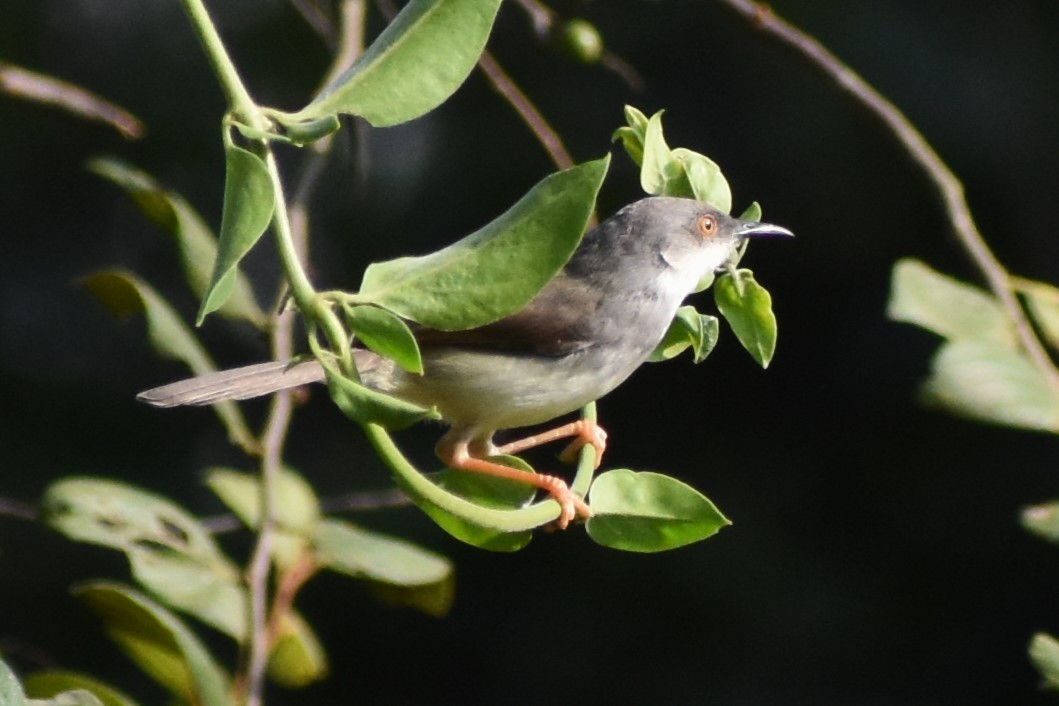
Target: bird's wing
[(555, 323)]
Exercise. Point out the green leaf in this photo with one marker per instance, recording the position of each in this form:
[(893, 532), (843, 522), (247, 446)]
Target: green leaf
[(987, 381), (248, 205), (385, 333), (752, 213), (483, 491), (297, 509), (170, 553), (297, 658), (649, 512), (689, 329), (198, 246), (1044, 653), (679, 172), (1042, 300), (124, 294), (1042, 520), (747, 306), (11, 693), (158, 642), (417, 62), (946, 306), (366, 406), (51, 683), (500, 268)]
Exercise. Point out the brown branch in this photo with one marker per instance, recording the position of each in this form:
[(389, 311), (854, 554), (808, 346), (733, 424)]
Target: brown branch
[(37, 87), (949, 186)]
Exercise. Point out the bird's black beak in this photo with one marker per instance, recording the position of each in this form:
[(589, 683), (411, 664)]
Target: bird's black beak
[(748, 229)]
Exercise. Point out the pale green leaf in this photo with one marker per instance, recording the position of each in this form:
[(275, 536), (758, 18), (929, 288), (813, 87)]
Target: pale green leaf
[(11, 693), (1042, 300), (987, 381), (689, 329), (170, 553), (298, 658), (1044, 653), (386, 334), (361, 553), (500, 268), (946, 306)]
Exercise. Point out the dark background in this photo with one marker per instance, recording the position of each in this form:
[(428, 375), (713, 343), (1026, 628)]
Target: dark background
[(876, 556)]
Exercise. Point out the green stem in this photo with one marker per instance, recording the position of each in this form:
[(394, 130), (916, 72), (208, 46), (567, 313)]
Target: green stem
[(239, 99)]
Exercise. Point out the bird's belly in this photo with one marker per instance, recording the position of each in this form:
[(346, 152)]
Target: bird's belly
[(490, 390)]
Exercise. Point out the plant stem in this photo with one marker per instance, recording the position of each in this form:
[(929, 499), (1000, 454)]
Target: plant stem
[(239, 99), (952, 191)]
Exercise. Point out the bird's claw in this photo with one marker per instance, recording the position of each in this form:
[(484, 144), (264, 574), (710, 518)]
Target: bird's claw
[(572, 505), (588, 432)]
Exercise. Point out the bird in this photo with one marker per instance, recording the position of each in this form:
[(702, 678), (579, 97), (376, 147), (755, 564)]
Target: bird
[(590, 327)]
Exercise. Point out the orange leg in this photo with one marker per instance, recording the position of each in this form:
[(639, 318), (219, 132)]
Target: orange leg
[(586, 431), (457, 455)]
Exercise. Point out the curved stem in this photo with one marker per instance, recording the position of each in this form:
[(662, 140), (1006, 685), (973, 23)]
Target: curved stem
[(239, 99), (952, 191)]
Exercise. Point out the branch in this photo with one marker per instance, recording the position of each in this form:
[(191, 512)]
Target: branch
[(949, 186)]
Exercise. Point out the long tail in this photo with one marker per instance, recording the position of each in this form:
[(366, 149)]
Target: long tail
[(236, 384)]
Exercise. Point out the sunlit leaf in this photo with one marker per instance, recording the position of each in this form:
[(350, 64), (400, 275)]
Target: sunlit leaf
[(747, 306), (11, 693), (1042, 520), (1044, 652), (1042, 300), (170, 553), (946, 306), (361, 553), (198, 246), (990, 382), (158, 642), (248, 204), (418, 61), (689, 329), (500, 268), (649, 512), (124, 294)]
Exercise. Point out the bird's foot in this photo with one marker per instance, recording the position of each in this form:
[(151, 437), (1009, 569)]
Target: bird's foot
[(587, 432), (572, 506)]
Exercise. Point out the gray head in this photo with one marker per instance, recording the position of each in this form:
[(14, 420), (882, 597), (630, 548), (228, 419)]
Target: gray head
[(680, 240)]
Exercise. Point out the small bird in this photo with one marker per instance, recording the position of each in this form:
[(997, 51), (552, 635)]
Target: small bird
[(582, 335)]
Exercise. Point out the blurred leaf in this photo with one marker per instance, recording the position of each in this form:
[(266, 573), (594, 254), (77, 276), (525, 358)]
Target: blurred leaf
[(75, 697), (689, 329), (169, 551), (1042, 300), (747, 306), (386, 334), (11, 693), (360, 553), (434, 599), (198, 246), (297, 658), (297, 509), (158, 642), (649, 512), (1044, 652), (990, 382), (946, 306), (124, 294), (497, 270), (417, 62), (248, 206), (483, 491), (43, 685), (1042, 520), (752, 213)]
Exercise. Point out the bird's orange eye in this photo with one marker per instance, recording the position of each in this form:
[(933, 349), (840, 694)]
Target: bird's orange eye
[(707, 225)]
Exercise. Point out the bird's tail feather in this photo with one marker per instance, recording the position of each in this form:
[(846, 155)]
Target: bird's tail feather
[(236, 384)]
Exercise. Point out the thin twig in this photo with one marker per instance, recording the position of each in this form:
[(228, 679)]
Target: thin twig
[(952, 191), (48, 90), (544, 132)]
